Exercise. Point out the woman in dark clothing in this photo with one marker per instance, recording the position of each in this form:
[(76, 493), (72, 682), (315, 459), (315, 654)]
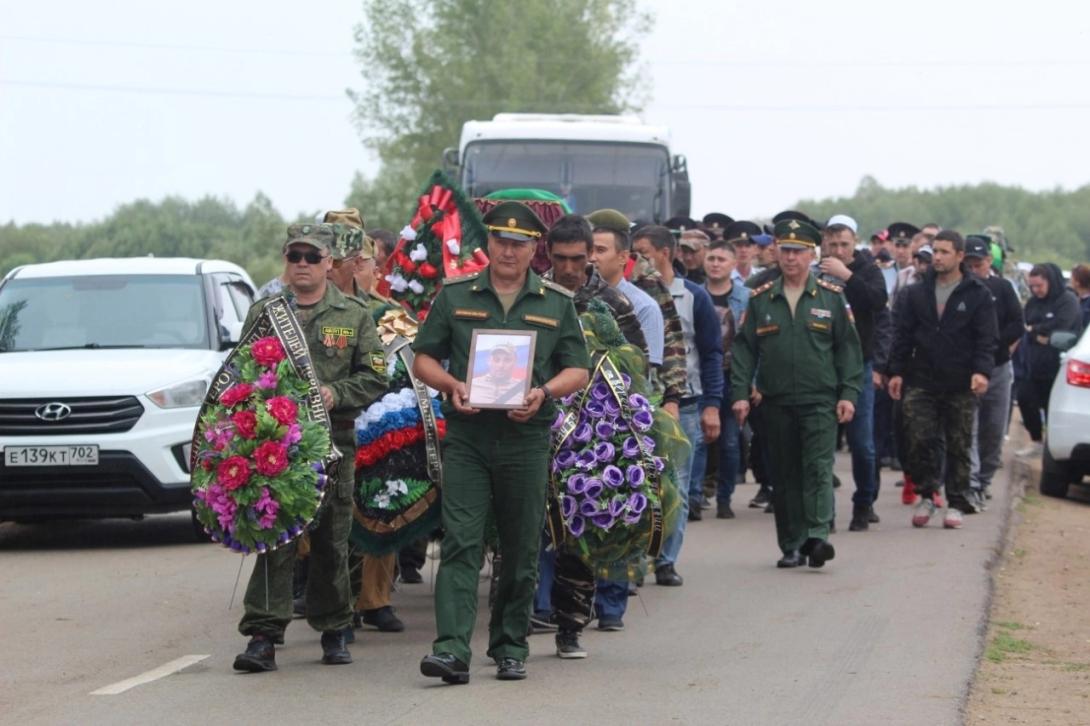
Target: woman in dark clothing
[(1053, 307), (1080, 284)]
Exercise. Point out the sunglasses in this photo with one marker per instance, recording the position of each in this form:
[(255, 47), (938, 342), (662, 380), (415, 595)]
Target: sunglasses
[(312, 258)]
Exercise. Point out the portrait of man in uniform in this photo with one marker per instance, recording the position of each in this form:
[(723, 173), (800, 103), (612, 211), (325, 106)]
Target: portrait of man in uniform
[(499, 374)]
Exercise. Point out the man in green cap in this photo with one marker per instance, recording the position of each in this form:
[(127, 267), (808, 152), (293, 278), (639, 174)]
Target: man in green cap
[(495, 461), (347, 357), (799, 338)]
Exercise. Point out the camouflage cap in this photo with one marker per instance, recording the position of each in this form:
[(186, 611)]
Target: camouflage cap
[(350, 241), (319, 236), (350, 217)]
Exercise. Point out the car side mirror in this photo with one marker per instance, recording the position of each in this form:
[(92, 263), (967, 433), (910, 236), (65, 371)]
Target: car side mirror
[(1063, 340)]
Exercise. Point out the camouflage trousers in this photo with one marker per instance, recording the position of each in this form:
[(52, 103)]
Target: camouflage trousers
[(939, 439)]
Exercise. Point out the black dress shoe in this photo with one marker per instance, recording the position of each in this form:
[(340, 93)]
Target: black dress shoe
[(384, 619), (260, 656), (334, 648), (794, 558), (411, 576), (667, 576), (445, 666), (819, 551), (510, 669), (860, 520), (723, 511), (872, 516)]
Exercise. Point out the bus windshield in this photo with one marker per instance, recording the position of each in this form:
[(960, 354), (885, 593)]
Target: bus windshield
[(633, 178)]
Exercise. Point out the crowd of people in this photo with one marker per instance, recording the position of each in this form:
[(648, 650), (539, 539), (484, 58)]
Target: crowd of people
[(760, 340)]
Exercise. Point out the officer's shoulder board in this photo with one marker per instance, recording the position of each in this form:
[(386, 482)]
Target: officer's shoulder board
[(762, 288), (461, 278), (557, 288), (830, 286)]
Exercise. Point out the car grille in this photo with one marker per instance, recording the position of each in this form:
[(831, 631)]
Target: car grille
[(102, 415)]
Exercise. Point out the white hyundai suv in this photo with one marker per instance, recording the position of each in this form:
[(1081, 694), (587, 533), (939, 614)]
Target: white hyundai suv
[(1066, 455), (103, 366)]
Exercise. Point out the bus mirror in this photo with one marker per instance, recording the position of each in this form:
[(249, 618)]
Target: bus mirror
[(681, 164), (450, 160)]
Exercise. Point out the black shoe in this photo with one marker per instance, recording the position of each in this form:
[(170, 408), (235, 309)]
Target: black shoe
[(819, 551), (860, 521), (611, 625), (543, 623), (667, 576), (384, 619), (723, 511), (885, 462), (895, 465), (899, 483), (510, 669), (695, 515), (764, 496), (260, 656), (836, 482), (411, 576), (872, 516), (567, 645), (791, 559), (769, 509), (445, 666), (334, 648)]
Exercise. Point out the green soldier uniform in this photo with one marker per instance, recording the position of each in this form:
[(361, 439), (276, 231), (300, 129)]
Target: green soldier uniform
[(804, 363), (489, 461), (347, 357)]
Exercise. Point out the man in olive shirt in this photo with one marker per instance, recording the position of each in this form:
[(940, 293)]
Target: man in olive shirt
[(799, 339), (495, 461), (351, 369)]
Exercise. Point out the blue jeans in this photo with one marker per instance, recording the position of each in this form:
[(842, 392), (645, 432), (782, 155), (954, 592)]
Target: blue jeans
[(730, 453), (686, 471), (546, 569), (860, 435), (611, 599)]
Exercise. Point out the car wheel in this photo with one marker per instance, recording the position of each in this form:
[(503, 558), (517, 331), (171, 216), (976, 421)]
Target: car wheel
[(1055, 475)]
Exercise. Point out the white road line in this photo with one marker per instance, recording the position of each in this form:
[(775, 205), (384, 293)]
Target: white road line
[(147, 677)]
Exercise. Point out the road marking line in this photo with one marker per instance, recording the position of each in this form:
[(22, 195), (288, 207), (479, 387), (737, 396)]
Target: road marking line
[(147, 677)]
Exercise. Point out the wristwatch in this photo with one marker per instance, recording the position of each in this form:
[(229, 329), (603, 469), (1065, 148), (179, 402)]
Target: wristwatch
[(545, 390)]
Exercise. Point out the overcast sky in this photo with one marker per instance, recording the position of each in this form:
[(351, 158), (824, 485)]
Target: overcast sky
[(104, 103)]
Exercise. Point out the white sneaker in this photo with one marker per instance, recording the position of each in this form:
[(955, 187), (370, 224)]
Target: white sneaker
[(952, 518), (925, 509)]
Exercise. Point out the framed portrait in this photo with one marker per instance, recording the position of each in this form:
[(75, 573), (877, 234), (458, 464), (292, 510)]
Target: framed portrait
[(501, 366)]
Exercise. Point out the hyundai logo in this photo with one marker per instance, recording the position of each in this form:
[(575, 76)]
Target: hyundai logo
[(55, 411)]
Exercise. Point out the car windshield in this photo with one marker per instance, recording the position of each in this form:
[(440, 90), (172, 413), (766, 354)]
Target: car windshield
[(630, 177), (102, 311)]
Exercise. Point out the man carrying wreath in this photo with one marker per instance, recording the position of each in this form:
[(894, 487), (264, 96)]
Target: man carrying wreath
[(348, 361), (492, 459)]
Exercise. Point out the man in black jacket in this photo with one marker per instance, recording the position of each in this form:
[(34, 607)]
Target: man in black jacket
[(991, 419), (865, 288), (1053, 307), (943, 352)]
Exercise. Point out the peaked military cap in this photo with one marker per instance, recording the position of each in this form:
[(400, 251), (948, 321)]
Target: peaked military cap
[(609, 219), (792, 214), (514, 221), (677, 225), (717, 220), (899, 230), (741, 231), (319, 236), (794, 234)]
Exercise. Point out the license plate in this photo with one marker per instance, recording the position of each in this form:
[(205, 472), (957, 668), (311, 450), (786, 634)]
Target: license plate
[(72, 455)]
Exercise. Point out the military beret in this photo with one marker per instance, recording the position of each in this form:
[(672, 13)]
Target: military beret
[(514, 221), (609, 219), (902, 229), (794, 234), (717, 220), (792, 214), (677, 225), (741, 232), (350, 216), (319, 236)]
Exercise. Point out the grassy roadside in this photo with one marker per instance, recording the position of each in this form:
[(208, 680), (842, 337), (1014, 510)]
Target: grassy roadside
[(1035, 667)]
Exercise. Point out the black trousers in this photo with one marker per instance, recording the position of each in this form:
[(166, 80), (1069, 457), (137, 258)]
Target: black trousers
[(1032, 400)]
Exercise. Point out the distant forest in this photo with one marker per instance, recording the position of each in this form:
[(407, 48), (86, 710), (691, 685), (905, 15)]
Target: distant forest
[(1041, 226)]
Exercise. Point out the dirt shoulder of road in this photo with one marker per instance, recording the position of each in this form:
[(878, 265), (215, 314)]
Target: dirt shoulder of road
[(1035, 668)]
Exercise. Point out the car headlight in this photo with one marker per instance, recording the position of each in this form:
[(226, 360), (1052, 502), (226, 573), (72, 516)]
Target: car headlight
[(180, 395)]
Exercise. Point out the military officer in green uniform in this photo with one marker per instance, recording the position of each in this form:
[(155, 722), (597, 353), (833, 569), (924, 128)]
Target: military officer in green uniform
[(348, 361), (799, 338), (495, 460)]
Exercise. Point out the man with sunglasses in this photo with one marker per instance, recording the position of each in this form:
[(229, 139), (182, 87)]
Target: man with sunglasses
[(348, 361)]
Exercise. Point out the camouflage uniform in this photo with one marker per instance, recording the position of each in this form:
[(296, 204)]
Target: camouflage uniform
[(623, 312), (347, 357), (671, 374)]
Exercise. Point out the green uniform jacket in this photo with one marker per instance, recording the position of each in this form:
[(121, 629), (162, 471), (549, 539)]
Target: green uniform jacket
[(467, 303), (346, 353), (813, 357)]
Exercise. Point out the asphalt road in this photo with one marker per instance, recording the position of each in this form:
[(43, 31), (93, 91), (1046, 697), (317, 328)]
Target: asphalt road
[(887, 633)]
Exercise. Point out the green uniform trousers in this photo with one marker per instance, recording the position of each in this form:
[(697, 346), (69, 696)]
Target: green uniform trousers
[(801, 446), (490, 462), (268, 600)]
